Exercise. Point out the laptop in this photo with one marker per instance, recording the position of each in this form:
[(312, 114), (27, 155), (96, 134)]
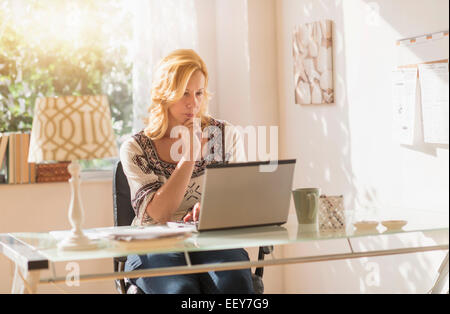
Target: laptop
[(237, 195)]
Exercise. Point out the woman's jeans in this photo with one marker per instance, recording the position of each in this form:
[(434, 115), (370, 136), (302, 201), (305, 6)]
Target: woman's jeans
[(230, 281)]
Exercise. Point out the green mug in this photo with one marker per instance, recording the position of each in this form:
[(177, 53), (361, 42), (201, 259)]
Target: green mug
[(307, 206)]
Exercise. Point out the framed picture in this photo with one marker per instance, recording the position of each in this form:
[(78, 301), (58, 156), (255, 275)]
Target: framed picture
[(313, 63)]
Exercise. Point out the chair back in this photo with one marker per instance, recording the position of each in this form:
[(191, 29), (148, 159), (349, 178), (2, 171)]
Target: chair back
[(123, 211)]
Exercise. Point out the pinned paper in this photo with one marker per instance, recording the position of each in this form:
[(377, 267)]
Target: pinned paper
[(435, 104), (404, 87)]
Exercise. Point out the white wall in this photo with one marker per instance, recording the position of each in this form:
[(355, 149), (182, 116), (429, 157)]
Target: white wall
[(340, 146), (247, 91), (348, 148), (207, 48), (233, 82)]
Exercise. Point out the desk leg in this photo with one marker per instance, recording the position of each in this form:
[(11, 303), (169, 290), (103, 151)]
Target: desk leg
[(440, 281), (25, 282)]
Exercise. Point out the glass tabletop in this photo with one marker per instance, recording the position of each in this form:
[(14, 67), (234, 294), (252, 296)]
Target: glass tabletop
[(45, 245)]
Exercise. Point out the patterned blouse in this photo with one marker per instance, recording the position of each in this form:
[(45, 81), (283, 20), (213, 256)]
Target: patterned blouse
[(146, 172)]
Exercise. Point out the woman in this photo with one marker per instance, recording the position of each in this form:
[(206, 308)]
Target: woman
[(165, 173)]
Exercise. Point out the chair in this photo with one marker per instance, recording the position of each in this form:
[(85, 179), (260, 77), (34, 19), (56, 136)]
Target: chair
[(124, 215)]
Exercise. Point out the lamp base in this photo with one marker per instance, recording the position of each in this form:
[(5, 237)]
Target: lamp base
[(77, 242)]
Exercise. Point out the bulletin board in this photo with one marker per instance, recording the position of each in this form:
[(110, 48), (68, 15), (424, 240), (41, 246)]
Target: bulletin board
[(420, 89)]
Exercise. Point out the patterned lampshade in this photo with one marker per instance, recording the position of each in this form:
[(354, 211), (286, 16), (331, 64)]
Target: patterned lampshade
[(72, 128)]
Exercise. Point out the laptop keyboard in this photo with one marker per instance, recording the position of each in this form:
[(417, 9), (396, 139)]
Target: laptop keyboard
[(181, 224)]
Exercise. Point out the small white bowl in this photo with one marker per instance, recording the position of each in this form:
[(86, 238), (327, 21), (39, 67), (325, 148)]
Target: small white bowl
[(394, 224), (366, 224)]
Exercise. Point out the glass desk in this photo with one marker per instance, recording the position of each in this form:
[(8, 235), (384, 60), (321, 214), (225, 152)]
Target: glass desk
[(33, 252)]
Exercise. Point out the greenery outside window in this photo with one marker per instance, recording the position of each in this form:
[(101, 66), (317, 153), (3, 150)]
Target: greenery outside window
[(65, 47)]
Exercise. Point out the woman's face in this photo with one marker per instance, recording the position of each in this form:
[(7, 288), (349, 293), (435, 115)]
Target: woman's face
[(189, 105)]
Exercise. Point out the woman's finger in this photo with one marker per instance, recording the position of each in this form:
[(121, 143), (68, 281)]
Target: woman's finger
[(188, 217), (196, 211)]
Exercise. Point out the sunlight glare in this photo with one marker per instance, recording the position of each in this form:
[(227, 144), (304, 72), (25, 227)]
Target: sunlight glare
[(62, 23)]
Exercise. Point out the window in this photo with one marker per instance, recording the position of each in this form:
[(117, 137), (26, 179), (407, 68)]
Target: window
[(65, 47)]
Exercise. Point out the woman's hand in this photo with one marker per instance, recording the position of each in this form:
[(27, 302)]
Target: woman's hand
[(193, 141), (194, 214)]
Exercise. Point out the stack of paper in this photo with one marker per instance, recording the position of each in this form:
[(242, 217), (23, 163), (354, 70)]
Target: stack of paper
[(151, 237), (145, 233), (125, 233)]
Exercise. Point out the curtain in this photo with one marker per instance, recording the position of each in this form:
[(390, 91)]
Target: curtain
[(160, 26)]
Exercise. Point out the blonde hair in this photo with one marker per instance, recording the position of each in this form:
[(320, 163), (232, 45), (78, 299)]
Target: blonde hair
[(169, 84)]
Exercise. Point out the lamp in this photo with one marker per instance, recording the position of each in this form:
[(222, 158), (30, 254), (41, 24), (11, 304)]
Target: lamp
[(72, 128)]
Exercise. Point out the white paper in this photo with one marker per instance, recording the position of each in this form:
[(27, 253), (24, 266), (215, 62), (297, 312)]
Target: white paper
[(125, 233), (146, 233), (435, 105), (404, 86)]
